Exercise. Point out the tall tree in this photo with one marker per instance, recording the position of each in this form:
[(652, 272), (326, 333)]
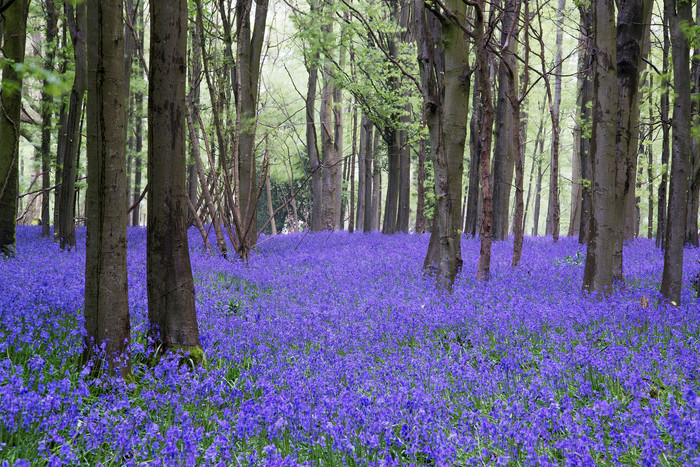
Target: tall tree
[(584, 116), (679, 16), (249, 41), (444, 68), (664, 105), (597, 275), (171, 307), (553, 207), (77, 25), (14, 24), (106, 292), (504, 149), (632, 22), (46, 116)]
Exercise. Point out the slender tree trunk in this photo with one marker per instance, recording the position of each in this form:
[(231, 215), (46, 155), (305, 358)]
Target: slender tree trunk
[(404, 174), (353, 156), (691, 228), (374, 211), (553, 209), (106, 292), (678, 15), (362, 173), (485, 134), (371, 187), (338, 149), (391, 206), (46, 116), (330, 166), (650, 164), (585, 120), (248, 52), (665, 142), (471, 223), (312, 147), (598, 270), (77, 23), (420, 187), (171, 308)]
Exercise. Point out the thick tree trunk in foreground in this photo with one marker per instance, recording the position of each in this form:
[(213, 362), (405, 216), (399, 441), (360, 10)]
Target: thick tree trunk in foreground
[(598, 273), (171, 309), (678, 14), (106, 292), (10, 104), (585, 120), (632, 21), (443, 61), (312, 147)]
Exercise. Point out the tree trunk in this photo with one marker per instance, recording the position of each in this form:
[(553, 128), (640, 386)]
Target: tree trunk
[(553, 209), (665, 142), (330, 166), (691, 227), (485, 135), (391, 206), (374, 208), (404, 175), (248, 53), (443, 60), (362, 174), (678, 15), (504, 149), (353, 156), (420, 187), (650, 164), (11, 102), (471, 222), (598, 270), (77, 24), (171, 308), (338, 149), (312, 147), (632, 20), (585, 119), (371, 188), (106, 292), (46, 114)]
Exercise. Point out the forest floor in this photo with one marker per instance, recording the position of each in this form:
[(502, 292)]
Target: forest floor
[(332, 349)]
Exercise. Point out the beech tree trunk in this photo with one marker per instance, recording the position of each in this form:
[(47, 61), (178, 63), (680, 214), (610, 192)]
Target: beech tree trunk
[(171, 308), (14, 32), (585, 119), (312, 146), (632, 20), (249, 43), (106, 292), (678, 14), (691, 227), (598, 270), (362, 174), (504, 150), (46, 114), (665, 143), (77, 24), (471, 221), (330, 167)]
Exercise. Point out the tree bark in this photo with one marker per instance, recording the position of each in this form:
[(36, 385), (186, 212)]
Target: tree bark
[(77, 24), (106, 292), (362, 178), (10, 106), (330, 166), (504, 150), (371, 188), (46, 115), (598, 270), (665, 142), (678, 15), (312, 146), (691, 227), (248, 53), (632, 20), (471, 222), (585, 119), (553, 207), (171, 307)]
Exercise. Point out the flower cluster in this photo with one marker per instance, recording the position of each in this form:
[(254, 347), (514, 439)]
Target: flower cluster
[(330, 349)]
